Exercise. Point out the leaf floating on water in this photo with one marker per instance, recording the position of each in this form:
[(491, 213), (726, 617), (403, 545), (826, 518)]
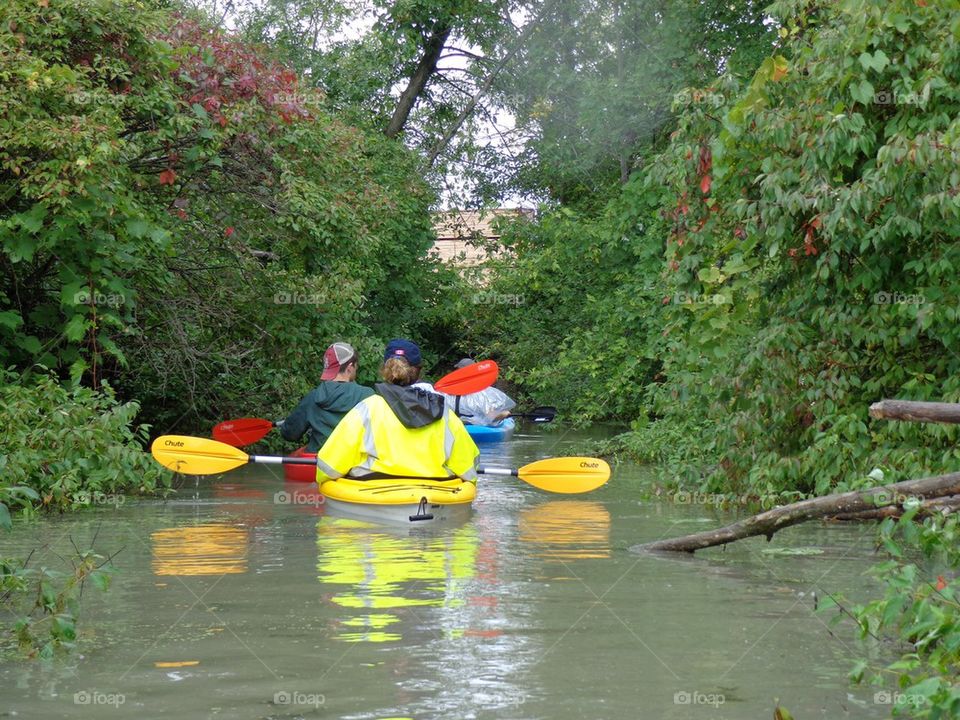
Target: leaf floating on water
[(792, 551), (780, 713), (176, 663)]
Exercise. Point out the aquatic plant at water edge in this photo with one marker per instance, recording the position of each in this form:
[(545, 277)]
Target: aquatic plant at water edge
[(41, 604), (63, 448)]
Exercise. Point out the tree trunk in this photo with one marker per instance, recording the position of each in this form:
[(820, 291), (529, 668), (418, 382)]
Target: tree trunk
[(916, 411), (418, 81), (767, 523)]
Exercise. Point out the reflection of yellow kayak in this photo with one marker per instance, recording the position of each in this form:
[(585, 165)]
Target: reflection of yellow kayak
[(380, 577), (210, 549), (567, 529), (400, 500)]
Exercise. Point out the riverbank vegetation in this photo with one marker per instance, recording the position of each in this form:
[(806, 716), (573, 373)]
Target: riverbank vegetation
[(785, 259), (746, 234), (184, 218)]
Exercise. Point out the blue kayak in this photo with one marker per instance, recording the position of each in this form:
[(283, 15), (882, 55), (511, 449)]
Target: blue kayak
[(494, 433)]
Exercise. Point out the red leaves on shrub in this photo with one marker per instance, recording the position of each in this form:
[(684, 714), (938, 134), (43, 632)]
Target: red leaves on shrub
[(168, 177), (704, 164), (811, 227), (219, 73)]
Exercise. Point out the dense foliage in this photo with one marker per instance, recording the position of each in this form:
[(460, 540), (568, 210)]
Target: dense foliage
[(595, 81), (786, 260), (61, 448), (181, 216)]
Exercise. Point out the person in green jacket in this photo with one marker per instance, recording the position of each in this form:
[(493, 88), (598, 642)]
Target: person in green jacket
[(324, 406)]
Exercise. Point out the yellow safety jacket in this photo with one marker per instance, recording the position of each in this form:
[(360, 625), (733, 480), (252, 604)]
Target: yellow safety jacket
[(371, 440)]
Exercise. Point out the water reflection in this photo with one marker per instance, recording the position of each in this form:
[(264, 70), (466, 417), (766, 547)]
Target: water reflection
[(567, 529), (242, 503), (208, 549), (380, 575), (458, 622)]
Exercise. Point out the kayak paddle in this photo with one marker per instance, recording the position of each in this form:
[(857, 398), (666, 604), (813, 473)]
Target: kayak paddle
[(559, 475), (464, 381), (470, 379), (538, 414), (201, 456), (244, 431)]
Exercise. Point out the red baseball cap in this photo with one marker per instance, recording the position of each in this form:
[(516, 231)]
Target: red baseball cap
[(337, 355)]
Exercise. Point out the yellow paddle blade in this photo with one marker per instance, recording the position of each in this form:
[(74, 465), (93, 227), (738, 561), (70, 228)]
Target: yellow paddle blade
[(196, 456), (566, 474)]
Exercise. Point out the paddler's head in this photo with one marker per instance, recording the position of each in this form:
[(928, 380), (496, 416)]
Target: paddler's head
[(401, 363), (340, 363)]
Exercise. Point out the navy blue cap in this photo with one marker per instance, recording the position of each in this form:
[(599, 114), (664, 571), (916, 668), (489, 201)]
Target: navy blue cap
[(403, 349)]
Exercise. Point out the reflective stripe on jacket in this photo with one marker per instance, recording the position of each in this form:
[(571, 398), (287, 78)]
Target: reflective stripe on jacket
[(370, 439)]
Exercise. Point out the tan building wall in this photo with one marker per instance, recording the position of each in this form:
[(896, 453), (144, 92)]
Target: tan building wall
[(461, 234)]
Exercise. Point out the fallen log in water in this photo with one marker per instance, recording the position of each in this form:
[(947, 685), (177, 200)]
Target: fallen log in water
[(932, 506), (840, 504), (916, 411)]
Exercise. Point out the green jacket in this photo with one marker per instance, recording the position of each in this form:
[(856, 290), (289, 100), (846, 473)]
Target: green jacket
[(320, 411)]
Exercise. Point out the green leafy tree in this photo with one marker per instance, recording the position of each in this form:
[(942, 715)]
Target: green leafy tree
[(594, 84), (184, 216), (818, 211)]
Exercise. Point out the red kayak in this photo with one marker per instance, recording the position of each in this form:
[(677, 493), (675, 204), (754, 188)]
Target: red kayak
[(301, 473)]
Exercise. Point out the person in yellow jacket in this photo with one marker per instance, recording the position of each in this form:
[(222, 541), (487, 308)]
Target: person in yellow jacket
[(401, 431)]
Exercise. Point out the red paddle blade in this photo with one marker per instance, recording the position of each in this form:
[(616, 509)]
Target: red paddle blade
[(469, 379), (244, 431)]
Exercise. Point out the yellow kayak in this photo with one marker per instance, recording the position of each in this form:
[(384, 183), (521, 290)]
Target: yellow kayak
[(404, 500)]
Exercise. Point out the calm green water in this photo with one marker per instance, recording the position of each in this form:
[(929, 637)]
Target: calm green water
[(229, 604)]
